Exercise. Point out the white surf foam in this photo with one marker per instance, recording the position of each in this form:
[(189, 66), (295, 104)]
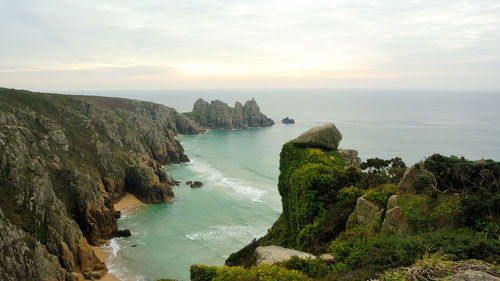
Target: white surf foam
[(114, 246), (252, 193), (222, 232), (215, 177)]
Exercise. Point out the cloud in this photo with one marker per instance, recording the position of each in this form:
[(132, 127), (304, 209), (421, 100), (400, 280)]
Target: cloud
[(231, 39)]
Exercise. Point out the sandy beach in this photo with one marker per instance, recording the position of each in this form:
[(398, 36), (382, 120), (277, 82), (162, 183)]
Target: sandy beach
[(103, 256), (128, 201)]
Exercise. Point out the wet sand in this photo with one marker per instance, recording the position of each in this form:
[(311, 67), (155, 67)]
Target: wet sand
[(103, 256), (128, 201)]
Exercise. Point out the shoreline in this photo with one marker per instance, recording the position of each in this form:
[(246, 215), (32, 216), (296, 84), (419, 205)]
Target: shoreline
[(103, 256), (126, 202)]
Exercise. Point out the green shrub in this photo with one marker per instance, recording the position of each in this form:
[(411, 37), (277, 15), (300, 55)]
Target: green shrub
[(349, 193), (313, 268), (308, 183), (380, 171), (344, 244), (200, 272), (257, 273), (380, 195), (482, 213), (416, 209), (446, 214), (421, 183), (460, 174), (368, 256)]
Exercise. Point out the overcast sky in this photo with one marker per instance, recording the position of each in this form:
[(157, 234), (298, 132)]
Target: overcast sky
[(160, 44)]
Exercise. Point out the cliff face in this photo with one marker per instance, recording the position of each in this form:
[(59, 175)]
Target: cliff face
[(64, 161), (380, 216), (218, 115)]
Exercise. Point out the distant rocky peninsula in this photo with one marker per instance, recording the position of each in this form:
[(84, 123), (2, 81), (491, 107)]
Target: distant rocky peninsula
[(219, 115)]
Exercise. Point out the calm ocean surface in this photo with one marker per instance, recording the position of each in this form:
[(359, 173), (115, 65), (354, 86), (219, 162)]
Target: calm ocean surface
[(239, 200)]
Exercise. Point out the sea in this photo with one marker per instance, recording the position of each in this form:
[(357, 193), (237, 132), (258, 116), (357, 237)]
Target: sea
[(239, 200)]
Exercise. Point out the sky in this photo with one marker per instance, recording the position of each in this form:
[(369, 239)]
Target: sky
[(166, 44)]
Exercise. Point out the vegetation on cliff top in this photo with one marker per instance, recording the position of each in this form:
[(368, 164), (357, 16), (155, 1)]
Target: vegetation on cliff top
[(452, 208)]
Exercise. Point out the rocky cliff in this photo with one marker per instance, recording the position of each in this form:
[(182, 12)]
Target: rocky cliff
[(64, 161), (378, 219), (218, 115)]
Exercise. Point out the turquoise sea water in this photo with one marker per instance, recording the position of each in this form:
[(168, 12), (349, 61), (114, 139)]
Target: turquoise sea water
[(239, 200)]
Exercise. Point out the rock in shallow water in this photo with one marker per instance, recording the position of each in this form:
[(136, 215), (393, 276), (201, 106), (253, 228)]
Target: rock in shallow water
[(197, 184)]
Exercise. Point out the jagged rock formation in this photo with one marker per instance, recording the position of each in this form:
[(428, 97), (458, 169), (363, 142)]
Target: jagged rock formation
[(324, 137), (64, 161), (218, 115), (287, 120)]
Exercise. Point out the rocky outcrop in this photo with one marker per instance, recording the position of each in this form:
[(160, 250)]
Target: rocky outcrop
[(148, 184), (218, 115), (64, 160), (407, 183), (350, 157), (473, 275), (196, 184), (324, 137), (367, 213), (287, 120), (274, 254), (394, 220)]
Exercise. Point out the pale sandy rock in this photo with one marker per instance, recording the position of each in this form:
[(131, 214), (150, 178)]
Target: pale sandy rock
[(471, 275), (274, 254)]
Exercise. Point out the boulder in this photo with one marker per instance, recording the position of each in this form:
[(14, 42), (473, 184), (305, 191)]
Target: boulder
[(123, 233), (350, 157), (368, 213), (406, 184), (472, 275), (324, 137), (189, 182), (197, 184), (274, 254), (395, 221), (392, 202)]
